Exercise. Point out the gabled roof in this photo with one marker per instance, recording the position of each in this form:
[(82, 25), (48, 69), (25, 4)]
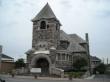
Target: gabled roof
[(46, 12), (94, 58), (5, 56), (74, 46), (77, 38)]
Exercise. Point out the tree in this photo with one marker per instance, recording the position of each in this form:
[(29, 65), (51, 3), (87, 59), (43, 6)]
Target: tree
[(20, 63), (101, 68), (80, 63)]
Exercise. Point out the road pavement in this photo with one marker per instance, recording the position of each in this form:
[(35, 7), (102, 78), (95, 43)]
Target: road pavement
[(98, 78)]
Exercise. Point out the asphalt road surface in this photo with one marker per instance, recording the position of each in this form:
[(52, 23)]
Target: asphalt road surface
[(99, 78)]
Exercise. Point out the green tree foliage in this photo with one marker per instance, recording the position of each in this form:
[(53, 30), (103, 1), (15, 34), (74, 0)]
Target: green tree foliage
[(20, 63), (80, 63), (101, 68)]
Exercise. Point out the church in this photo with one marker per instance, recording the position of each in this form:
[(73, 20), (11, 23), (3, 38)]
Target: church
[(52, 48)]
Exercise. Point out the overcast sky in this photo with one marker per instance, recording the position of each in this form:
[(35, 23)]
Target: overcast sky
[(76, 16)]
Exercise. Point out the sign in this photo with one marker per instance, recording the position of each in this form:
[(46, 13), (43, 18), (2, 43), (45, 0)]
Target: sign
[(35, 70)]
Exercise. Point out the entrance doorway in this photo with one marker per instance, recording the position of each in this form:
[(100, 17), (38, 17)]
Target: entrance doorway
[(44, 65)]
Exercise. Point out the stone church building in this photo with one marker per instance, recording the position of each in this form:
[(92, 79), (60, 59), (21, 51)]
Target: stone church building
[(53, 50)]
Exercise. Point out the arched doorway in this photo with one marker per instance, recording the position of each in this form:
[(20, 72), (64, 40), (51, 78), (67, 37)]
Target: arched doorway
[(44, 65)]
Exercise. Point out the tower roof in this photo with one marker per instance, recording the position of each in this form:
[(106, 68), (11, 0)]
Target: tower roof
[(46, 12)]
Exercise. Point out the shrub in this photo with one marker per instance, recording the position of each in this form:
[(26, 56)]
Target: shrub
[(101, 68), (80, 63)]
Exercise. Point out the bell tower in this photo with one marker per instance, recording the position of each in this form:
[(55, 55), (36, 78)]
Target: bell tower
[(46, 29)]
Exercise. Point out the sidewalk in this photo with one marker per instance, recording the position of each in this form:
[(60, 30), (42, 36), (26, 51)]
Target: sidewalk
[(39, 78), (32, 77)]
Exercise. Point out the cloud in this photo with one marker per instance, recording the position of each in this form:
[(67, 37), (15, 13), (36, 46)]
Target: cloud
[(66, 3), (0, 2), (97, 8), (103, 14)]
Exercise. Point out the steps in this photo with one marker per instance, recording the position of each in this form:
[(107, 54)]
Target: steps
[(57, 71)]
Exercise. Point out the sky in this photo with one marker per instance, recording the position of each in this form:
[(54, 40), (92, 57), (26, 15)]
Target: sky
[(76, 16)]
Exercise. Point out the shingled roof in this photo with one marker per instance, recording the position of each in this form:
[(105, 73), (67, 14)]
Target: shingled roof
[(64, 36), (5, 56), (94, 58), (46, 12), (77, 38), (74, 46)]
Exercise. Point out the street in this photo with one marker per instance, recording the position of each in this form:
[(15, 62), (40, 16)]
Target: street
[(98, 78)]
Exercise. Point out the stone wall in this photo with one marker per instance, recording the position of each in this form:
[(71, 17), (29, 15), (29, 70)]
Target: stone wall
[(49, 35)]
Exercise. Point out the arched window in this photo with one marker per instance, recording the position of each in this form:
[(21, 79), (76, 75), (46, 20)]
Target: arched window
[(43, 25)]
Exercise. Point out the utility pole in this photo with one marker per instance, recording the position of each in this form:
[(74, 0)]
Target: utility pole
[(88, 54), (0, 56)]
